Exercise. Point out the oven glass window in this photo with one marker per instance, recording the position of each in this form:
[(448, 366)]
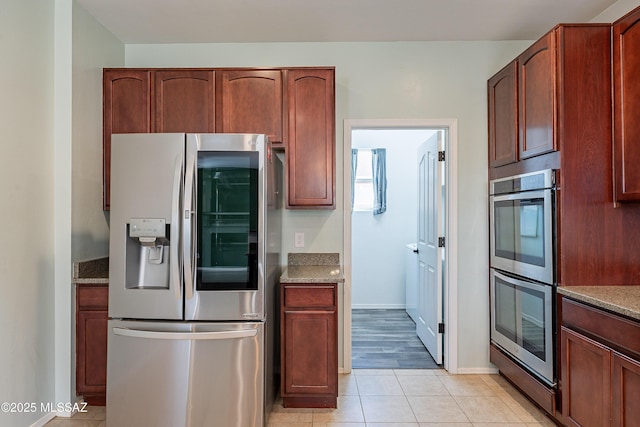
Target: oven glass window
[(227, 236), (519, 230), (520, 316)]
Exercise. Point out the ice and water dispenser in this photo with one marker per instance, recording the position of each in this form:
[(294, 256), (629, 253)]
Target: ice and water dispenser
[(147, 254)]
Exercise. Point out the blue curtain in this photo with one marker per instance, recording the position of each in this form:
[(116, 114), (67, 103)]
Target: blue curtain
[(354, 167), (379, 167)]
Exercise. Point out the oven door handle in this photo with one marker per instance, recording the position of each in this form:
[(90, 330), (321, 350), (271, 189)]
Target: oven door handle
[(537, 194), (521, 283)]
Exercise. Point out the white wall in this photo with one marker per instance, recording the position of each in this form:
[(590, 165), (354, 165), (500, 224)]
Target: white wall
[(26, 191), (378, 241), (86, 234), (390, 80), (616, 11), (93, 49)]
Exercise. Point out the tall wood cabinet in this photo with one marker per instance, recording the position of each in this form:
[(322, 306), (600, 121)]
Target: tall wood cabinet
[(91, 342), (600, 358), (626, 92), (570, 103), (309, 345), (295, 107)]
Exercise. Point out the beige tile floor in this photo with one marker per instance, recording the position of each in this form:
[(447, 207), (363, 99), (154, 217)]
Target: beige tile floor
[(398, 398), (418, 398), (94, 417)]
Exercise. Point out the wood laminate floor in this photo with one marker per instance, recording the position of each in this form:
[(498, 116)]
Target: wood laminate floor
[(386, 339)]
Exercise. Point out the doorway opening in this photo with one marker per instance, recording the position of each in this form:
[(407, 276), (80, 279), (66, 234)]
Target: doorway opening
[(378, 248)]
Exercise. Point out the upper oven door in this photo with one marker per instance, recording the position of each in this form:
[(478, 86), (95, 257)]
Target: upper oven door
[(521, 228)]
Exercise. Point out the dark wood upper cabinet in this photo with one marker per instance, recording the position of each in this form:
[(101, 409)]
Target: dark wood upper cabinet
[(503, 116), (310, 153), (184, 101), (626, 93), (295, 107), (126, 109), (250, 101), (537, 102)]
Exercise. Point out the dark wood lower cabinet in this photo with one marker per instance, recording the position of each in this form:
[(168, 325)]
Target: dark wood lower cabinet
[(586, 384), (91, 342), (309, 345), (600, 357), (625, 381)]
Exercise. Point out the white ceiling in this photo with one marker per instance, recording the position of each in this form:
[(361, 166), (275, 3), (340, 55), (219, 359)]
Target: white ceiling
[(209, 21)]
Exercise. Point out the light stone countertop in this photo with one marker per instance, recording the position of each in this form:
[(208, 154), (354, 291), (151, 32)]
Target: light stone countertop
[(91, 272), (624, 300), (313, 268)]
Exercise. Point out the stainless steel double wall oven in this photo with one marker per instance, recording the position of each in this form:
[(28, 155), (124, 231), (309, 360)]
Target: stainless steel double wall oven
[(522, 273)]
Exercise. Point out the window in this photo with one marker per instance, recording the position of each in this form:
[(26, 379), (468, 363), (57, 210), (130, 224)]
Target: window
[(369, 180), (363, 181)]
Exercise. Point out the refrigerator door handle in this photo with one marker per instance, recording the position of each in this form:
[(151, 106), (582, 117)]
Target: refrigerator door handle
[(174, 260), (187, 248), (221, 335)]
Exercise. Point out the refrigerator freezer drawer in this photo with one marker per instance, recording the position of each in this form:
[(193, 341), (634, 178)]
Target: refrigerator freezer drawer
[(185, 374)]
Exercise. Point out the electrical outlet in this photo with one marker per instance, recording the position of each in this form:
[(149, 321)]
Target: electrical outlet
[(298, 239)]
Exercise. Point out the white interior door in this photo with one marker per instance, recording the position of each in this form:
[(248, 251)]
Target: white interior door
[(430, 255)]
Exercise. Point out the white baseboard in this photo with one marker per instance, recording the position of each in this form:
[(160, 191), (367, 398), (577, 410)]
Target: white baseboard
[(45, 419), (378, 306), (74, 407)]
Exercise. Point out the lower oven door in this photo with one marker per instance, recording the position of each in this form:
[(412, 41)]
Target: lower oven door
[(522, 322)]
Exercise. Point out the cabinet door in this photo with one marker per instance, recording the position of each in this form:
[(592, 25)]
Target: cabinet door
[(310, 152), (503, 116), (184, 101), (626, 92), (586, 380), (310, 353), (91, 363), (537, 103), (626, 391), (126, 109), (251, 102)]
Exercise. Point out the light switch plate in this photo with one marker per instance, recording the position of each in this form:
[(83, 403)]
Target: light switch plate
[(298, 239)]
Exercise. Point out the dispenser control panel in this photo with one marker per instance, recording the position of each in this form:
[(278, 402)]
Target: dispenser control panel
[(147, 227)]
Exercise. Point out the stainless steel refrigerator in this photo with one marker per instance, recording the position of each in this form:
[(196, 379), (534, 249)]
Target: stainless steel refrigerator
[(195, 232)]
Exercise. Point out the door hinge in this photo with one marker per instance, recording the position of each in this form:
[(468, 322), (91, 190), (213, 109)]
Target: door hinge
[(441, 242), (441, 328), (441, 156)]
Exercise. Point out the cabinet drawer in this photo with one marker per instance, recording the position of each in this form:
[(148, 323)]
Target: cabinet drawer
[(92, 297), (620, 333), (310, 296)]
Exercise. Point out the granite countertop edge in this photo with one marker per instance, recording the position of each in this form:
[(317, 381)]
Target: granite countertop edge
[(91, 272), (305, 267), (312, 274), (623, 300)]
